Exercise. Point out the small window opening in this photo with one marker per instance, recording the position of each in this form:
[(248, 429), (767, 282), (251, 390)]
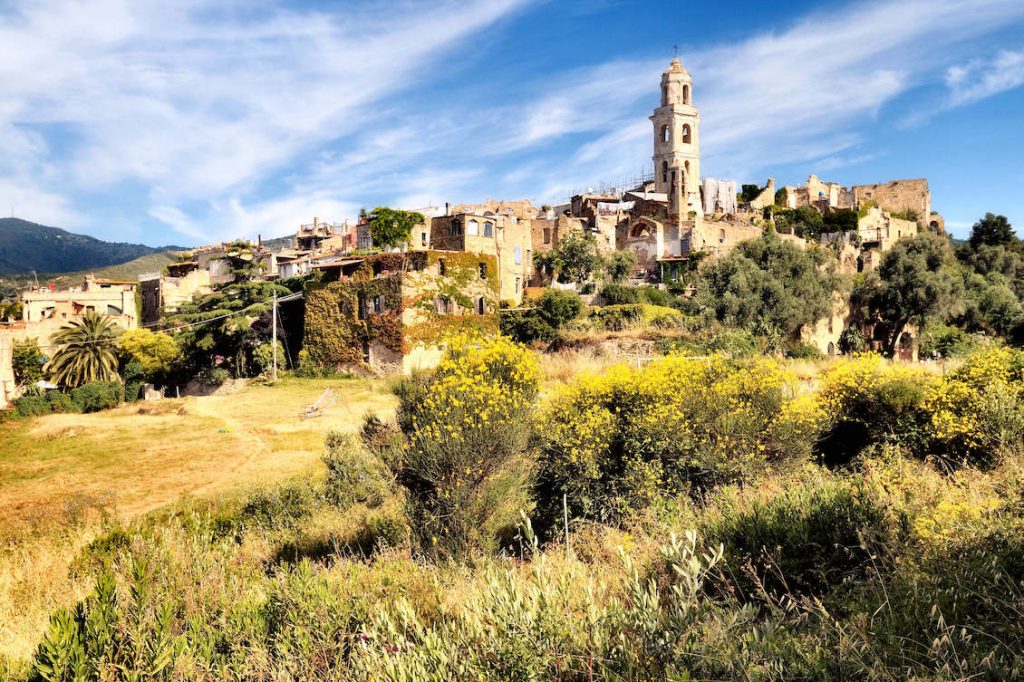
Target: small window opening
[(686, 134), (441, 269), (483, 270)]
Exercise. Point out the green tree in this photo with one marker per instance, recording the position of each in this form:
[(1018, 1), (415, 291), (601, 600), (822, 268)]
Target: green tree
[(992, 230), (804, 221), (915, 283), (155, 352), (620, 265), (577, 258), (28, 361), (392, 226), (86, 351), (559, 307), (244, 261), (767, 284)]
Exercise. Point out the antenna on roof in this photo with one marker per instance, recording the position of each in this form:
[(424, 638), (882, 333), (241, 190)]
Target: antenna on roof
[(675, 50)]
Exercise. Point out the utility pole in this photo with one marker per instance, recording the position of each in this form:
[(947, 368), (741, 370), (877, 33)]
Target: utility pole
[(273, 343)]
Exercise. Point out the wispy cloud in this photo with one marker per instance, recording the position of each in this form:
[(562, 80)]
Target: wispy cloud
[(232, 119), (979, 79)]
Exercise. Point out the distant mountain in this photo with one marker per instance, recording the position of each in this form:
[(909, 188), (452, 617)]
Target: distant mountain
[(26, 246)]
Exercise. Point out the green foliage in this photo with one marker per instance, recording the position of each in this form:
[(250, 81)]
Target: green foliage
[(803, 351), (613, 444), (767, 284), (946, 341), (804, 221), (224, 328), (615, 294), (781, 197), (354, 475), (32, 406), (336, 332), (263, 357), (913, 285), (558, 308), (993, 230), (27, 361), (577, 258), (97, 395), (155, 352), (619, 317), (550, 313), (619, 266), (85, 351), (391, 227), (803, 540), (244, 260), (465, 425), (840, 220)]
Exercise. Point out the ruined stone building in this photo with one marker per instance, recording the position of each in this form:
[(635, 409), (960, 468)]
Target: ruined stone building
[(162, 294), (48, 308), (390, 312)]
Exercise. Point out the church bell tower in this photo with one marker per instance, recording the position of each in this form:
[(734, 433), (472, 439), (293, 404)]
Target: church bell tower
[(677, 144)]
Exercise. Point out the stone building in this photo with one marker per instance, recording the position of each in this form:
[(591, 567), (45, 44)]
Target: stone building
[(47, 308), (162, 294), (390, 312)]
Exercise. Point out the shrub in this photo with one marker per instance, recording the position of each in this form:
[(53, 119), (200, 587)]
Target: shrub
[(802, 540), (263, 357), (612, 444), (526, 326), (803, 351), (61, 402), (869, 400), (976, 412), (619, 317), (276, 508), (464, 424), (216, 376), (353, 474), (946, 341), (97, 395), (32, 406), (557, 307), (617, 294)]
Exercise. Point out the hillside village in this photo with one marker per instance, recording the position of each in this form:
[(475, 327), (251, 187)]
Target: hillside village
[(687, 428), (471, 260)]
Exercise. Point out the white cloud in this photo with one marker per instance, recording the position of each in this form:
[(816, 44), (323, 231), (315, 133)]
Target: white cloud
[(978, 79)]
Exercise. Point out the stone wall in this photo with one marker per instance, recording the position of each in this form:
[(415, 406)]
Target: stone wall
[(898, 196), (6, 371)]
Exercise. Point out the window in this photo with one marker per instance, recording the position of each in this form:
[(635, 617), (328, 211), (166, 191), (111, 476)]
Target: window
[(481, 305), (366, 351), (665, 134), (472, 228), (686, 134), (444, 305), (529, 257), (483, 270), (423, 238), (456, 228), (362, 308), (547, 235), (517, 255), (686, 94), (488, 229), (518, 285), (378, 304), (441, 269)]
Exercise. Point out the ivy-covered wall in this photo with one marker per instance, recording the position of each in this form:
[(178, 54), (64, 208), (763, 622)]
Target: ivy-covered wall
[(409, 287)]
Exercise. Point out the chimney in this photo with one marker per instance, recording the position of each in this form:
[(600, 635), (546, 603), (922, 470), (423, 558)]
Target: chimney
[(259, 240), (446, 207)]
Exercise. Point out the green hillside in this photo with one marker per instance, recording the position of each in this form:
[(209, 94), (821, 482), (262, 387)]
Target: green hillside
[(27, 246)]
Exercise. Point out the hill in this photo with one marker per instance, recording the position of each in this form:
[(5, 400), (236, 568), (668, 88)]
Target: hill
[(27, 246)]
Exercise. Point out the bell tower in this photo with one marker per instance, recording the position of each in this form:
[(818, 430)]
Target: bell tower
[(677, 143)]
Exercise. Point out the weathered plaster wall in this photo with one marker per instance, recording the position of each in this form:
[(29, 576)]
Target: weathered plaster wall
[(898, 196)]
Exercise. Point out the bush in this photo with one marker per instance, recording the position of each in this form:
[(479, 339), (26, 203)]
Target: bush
[(278, 508), (216, 376), (613, 444), (803, 351), (32, 406), (353, 474), (803, 540), (61, 402), (263, 357), (868, 400), (558, 308), (97, 395), (977, 412), (526, 326), (617, 294), (627, 316), (464, 424)]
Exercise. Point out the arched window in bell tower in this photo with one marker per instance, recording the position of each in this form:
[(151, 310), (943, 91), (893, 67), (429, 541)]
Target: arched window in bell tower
[(665, 133), (686, 134), (686, 94)]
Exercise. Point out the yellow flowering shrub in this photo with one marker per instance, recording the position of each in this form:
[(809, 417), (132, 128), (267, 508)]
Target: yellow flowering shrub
[(977, 411), (463, 424), (867, 399), (612, 443)]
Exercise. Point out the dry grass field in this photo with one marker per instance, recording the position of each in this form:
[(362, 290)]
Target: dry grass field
[(64, 477)]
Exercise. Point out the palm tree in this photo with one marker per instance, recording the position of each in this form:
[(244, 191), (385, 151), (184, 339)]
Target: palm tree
[(85, 351)]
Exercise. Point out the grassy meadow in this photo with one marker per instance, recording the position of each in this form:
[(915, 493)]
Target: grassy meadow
[(570, 516)]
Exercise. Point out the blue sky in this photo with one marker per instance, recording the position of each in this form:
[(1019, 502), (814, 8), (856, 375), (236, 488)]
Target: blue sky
[(188, 122)]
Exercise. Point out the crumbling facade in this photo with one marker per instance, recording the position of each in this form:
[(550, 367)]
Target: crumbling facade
[(391, 312), (47, 308)]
